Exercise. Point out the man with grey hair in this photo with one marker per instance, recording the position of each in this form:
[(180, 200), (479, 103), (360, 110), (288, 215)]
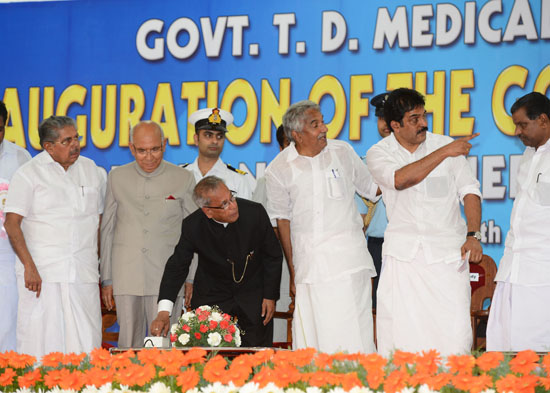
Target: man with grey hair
[(145, 204), (311, 186), (239, 267), (54, 207)]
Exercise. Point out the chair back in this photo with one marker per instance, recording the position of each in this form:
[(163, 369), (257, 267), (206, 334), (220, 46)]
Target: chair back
[(482, 281)]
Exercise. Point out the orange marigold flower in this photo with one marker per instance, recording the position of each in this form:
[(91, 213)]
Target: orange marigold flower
[(507, 383), (4, 359), (402, 358), (396, 381), (283, 357), (286, 374), (238, 373), (461, 364), (214, 370), (462, 381), (262, 356), (54, 377), (544, 382), (436, 382), (19, 360), (546, 363), (135, 374), (121, 360), (320, 378), (428, 362), (98, 377), (263, 377), (188, 379), (29, 379), (244, 360), (194, 355), (489, 360), (6, 378), (375, 378), (53, 359), (481, 383), (303, 357), (524, 362), (100, 357), (323, 361), (349, 381), (149, 356), (527, 384), (73, 358), (373, 362), (72, 380)]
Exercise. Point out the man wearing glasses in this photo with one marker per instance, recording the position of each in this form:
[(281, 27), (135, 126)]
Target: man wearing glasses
[(239, 265), (54, 206), (424, 289), (145, 203)]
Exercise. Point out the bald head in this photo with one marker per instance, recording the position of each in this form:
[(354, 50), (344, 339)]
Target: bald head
[(147, 145)]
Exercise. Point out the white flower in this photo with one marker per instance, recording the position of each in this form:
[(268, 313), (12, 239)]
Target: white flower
[(24, 390), (249, 387), (237, 338), (107, 388), (159, 387), (294, 390), (89, 389), (337, 389), (313, 389), (407, 390), (488, 391), (173, 328), (186, 317), (205, 308), (216, 387), (271, 388), (194, 390), (360, 389), (425, 389), (216, 316), (214, 339), (184, 338)]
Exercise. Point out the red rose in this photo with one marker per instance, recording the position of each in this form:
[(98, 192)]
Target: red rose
[(227, 317), (186, 328), (228, 338), (202, 317), (203, 328), (213, 325), (224, 324), (232, 329), (198, 336), (173, 338)]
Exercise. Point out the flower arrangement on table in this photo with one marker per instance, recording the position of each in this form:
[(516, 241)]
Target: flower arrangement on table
[(302, 371), (206, 327)]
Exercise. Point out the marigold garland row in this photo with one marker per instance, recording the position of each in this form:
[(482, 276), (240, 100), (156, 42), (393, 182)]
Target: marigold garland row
[(164, 371)]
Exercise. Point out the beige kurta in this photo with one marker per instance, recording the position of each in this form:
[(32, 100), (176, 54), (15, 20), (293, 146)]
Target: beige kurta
[(142, 224)]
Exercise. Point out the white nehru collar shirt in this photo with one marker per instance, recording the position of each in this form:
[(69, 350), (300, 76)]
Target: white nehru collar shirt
[(60, 212), (316, 194), (526, 257), (428, 214)]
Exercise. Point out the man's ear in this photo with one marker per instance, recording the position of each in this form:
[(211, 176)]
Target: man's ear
[(395, 125), (196, 139), (296, 135), (206, 212), (48, 146)]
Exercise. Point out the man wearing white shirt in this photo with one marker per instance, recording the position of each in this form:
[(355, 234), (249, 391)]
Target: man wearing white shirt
[(53, 210), (424, 290), (520, 317), (11, 158), (210, 128), (311, 186)]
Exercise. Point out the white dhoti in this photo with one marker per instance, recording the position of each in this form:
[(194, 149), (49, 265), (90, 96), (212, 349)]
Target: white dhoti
[(335, 316), (519, 318), (65, 318), (423, 306), (8, 302)]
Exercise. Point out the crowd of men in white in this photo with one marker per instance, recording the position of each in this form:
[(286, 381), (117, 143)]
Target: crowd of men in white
[(67, 226)]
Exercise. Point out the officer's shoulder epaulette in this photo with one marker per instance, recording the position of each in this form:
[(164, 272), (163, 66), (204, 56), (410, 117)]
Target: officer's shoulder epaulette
[(184, 165), (236, 170)]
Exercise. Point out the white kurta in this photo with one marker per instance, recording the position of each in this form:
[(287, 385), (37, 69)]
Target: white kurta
[(243, 183), (423, 239), (60, 212), (316, 194), (520, 317), (11, 158)]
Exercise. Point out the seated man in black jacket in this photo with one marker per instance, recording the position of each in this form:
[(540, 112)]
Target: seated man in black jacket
[(239, 267)]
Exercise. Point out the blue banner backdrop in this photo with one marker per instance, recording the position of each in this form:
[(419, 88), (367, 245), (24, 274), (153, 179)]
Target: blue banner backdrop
[(110, 64)]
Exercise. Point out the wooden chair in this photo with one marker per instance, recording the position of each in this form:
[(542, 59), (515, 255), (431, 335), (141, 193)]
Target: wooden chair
[(108, 319), (287, 315), (482, 281)]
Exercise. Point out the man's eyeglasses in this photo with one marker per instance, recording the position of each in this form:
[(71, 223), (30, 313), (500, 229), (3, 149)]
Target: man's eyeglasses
[(144, 152), (225, 204), (69, 140)]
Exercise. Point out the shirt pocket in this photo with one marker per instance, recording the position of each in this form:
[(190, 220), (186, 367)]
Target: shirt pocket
[(335, 184), (91, 199), (437, 186), (172, 209), (542, 190)]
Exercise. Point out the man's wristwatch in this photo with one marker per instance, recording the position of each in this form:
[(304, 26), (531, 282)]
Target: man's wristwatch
[(477, 235)]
